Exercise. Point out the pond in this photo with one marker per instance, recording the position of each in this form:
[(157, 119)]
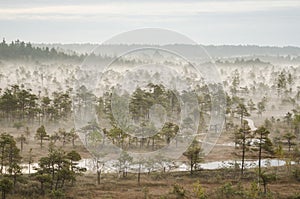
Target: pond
[(112, 166)]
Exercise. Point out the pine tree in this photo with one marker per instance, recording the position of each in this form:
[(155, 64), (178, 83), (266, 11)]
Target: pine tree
[(41, 134), (264, 144), (193, 154)]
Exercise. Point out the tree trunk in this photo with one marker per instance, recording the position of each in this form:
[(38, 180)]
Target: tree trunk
[(62, 183), (191, 171), (15, 179), (57, 183), (29, 168), (259, 157), (244, 150), (52, 164), (99, 176), (139, 176), (265, 187), (42, 188), (2, 160), (3, 194), (243, 154)]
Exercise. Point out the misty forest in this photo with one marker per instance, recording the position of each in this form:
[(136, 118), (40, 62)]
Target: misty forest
[(52, 147)]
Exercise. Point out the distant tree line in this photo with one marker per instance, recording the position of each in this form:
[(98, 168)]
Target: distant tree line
[(19, 50), (242, 61)]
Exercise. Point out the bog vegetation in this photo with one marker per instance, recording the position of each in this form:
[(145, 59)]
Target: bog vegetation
[(40, 149)]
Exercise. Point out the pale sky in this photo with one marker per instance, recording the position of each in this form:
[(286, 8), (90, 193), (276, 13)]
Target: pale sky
[(258, 22)]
